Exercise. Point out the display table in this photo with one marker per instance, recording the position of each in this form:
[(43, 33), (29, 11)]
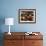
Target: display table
[(21, 39)]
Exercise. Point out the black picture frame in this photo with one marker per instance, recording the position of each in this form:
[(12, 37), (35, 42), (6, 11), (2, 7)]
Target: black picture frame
[(27, 15)]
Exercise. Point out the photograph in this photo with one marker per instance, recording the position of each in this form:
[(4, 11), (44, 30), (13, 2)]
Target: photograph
[(27, 15)]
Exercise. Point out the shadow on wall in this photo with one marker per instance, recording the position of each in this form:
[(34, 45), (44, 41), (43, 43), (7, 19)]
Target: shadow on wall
[(2, 21)]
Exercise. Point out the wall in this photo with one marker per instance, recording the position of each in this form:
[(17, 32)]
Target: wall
[(9, 8)]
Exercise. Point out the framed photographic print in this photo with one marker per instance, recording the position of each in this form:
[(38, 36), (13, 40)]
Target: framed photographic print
[(27, 15)]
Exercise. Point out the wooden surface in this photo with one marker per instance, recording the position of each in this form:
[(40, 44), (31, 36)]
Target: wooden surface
[(20, 39), (33, 43)]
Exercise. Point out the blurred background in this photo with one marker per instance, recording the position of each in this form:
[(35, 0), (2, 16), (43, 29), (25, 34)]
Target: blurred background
[(9, 8)]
